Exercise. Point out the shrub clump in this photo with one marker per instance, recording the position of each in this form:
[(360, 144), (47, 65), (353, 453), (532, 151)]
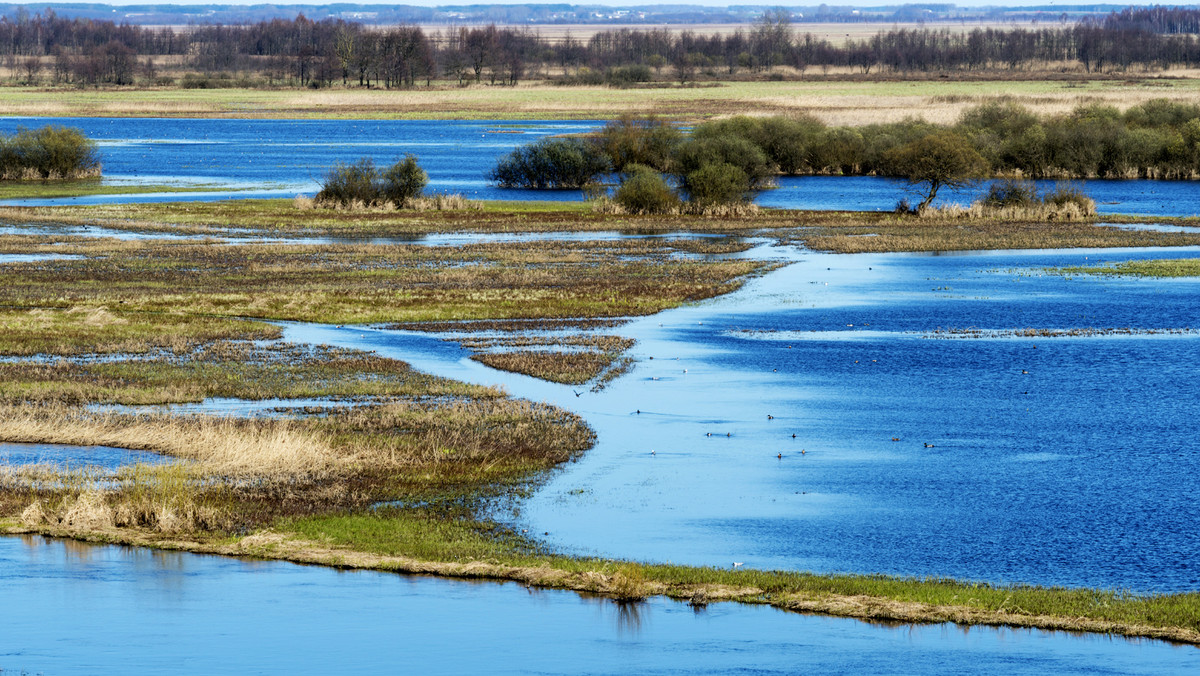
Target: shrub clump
[(49, 152), (1011, 193), (644, 191), (363, 184), (1065, 194), (551, 163)]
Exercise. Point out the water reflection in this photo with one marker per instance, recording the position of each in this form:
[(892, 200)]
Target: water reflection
[(91, 608)]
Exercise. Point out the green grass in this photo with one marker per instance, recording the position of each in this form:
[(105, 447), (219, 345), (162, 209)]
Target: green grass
[(1169, 267), (426, 536), (12, 190)]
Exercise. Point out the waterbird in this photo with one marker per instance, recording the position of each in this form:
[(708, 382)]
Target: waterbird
[(895, 438), (709, 434), (1024, 372), (779, 455), (738, 564), (770, 417), (578, 394), (652, 452), (793, 436), (929, 445)]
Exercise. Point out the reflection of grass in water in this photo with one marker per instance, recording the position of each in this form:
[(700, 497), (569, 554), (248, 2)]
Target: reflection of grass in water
[(1170, 267)]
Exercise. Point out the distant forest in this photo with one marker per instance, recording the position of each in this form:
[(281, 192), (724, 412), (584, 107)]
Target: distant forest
[(40, 47)]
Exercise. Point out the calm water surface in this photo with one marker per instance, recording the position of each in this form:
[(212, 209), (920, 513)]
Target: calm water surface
[(1067, 461), (274, 158), (78, 608)]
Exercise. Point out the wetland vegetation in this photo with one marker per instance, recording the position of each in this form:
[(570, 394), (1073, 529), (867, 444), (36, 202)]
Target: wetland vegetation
[(436, 453)]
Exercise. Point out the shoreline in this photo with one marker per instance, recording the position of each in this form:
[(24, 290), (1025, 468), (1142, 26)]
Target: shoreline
[(268, 545)]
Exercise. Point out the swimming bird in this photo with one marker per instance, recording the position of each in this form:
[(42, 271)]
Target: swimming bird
[(709, 434), (895, 438), (780, 456), (738, 564), (929, 445), (793, 436), (652, 452), (770, 417), (1024, 372)]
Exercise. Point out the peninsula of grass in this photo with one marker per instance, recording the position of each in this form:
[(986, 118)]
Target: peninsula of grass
[(1166, 267)]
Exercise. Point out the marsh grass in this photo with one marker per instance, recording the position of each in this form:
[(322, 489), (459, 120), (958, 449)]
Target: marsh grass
[(369, 283), (571, 368), (99, 330), (880, 233), (1166, 267), (490, 550)]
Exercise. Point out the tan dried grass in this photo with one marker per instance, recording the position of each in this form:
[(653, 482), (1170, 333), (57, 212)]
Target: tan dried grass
[(223, 446)]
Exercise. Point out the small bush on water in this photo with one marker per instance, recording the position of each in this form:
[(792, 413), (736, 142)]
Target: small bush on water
[(645, 192), (551, 163), (717, 183), (1011, 193), (362, 184), (1065, 194), (49, 152)]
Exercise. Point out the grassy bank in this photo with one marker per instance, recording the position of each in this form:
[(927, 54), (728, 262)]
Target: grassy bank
[(14, 190), (1178, 267), (835, 101), (419, 542)]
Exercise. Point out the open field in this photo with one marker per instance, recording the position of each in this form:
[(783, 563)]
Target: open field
[(836, 101)]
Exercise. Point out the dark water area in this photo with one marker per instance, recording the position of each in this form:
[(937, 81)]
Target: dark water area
[(79, 608), (281, 158)]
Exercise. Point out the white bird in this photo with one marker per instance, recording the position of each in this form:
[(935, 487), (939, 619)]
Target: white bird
[(737, 564)]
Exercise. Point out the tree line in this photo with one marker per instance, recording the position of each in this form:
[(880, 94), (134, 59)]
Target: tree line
[(316, 53), (726, 161)]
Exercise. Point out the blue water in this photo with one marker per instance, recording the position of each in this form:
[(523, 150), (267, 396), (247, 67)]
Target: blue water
[(78, 608), (1065, 461), (273, 158), (106, 457)]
